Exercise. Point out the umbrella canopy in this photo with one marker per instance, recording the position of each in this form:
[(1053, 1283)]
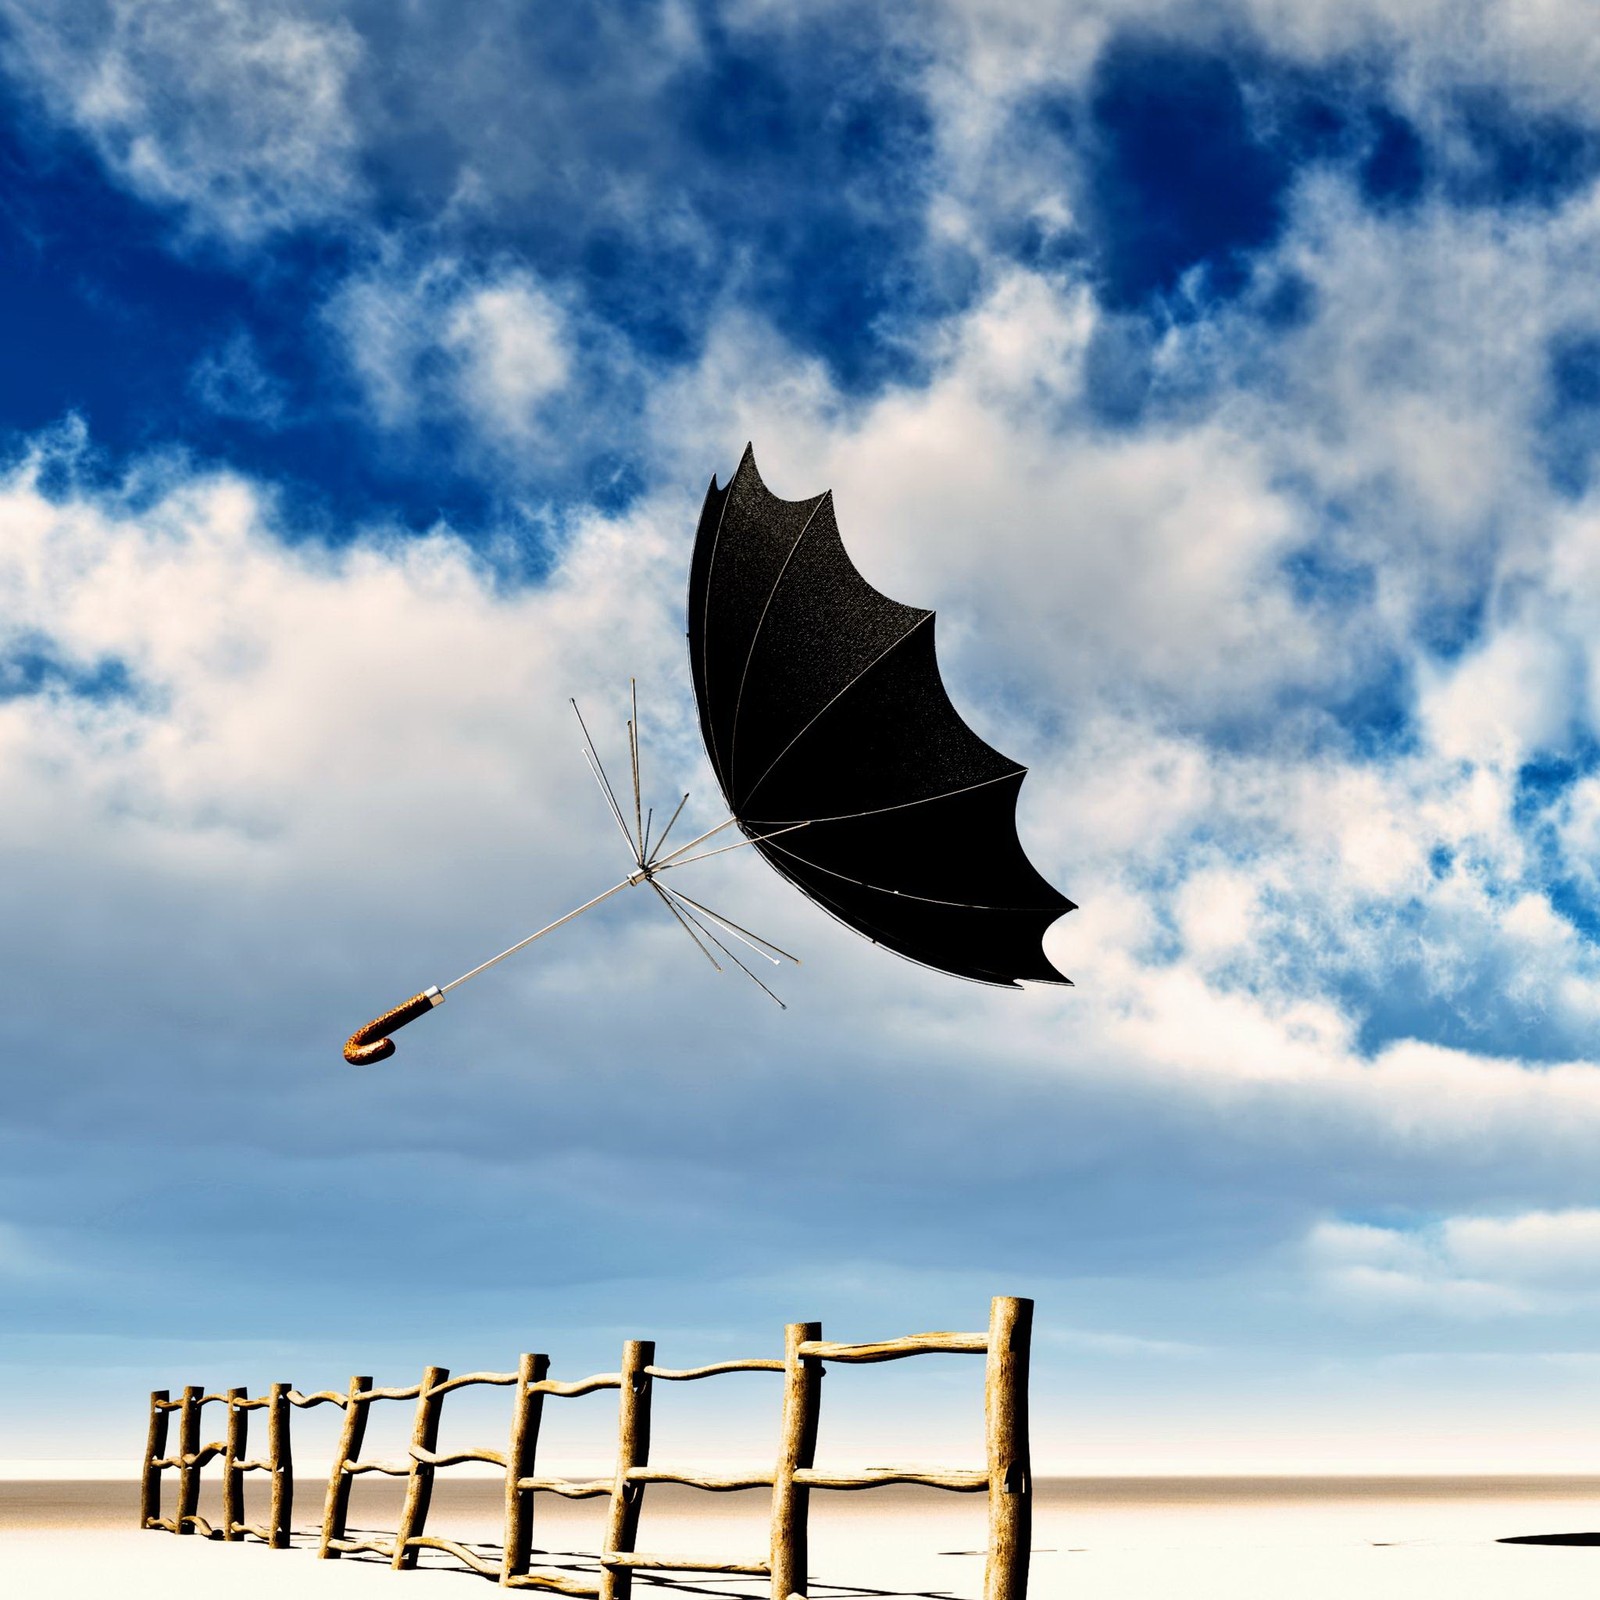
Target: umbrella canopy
[(821, 704)]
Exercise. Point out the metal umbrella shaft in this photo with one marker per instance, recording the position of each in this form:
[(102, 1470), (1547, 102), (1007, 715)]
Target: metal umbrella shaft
[(372, 1043)]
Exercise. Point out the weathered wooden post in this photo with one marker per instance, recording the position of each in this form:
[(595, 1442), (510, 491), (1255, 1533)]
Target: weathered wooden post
[(526, 1412), (188, 1469), (280, 1463), (419, 1481), (233, 1452), (155, 1449), (1005, 1401), (802, 1406), (337, 1510), (633, 1450)]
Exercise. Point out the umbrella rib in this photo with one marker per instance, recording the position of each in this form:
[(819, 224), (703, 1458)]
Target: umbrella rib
[(734, 959), (761, 622), (672, 860), (599, 777), (927, 616), (884, 940), (684, 925), (903, 805), (906, 894), (693, 842), (670, 820), (605, 782), (824, 903), (754, 940), (633, 750)]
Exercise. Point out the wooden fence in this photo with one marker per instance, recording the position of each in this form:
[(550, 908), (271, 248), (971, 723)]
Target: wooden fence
[(1006, 1476)]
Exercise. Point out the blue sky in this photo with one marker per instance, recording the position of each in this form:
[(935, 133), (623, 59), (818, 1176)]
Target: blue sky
[(1227, 376)]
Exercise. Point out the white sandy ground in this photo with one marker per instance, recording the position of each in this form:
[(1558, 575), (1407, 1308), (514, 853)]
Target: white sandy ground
[(1327, 1539)]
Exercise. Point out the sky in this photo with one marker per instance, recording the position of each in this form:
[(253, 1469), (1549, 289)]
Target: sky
[(1226, 375)]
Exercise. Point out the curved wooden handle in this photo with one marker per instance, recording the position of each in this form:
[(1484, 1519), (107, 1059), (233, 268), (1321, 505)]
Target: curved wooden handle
[(368, 1044)]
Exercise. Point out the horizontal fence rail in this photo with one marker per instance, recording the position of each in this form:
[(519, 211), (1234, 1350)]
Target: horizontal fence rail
[(1006, 1475)]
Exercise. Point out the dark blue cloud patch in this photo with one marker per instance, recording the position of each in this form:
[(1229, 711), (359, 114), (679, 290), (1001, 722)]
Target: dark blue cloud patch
[(96, 313), (36, 666), (652, 167), (1376, 715), (1178, 177), (1320, 577), (1473, 148), (1180, 163), (1282, 300), (1450, 625), (1544, 784), (1395, 167), (1568, 426), (1546, 777), (811, 159), (1502, 156), (635, 285), (156, 347), (1118, 369), (1575, 372), (783, 162)]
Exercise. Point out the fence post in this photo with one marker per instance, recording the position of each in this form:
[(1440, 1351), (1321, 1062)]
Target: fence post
[(233, 1452), (526, 1412), (633, 1450), (1010, 1475), (155, 1449), (802, 1405), (188, 1448), (337, 1511), (419, 1483), (281, 1459)]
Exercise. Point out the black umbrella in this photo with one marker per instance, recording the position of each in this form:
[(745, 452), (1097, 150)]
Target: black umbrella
[(841, 759), (821, 704)]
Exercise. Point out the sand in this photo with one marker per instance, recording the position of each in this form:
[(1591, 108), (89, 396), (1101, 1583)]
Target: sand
[(1116, 1539)]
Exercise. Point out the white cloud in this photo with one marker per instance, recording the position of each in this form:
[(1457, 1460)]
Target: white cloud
[(1143, 561), (237, 114), (1215, 909), (1559, 1250), (1540, 50), (275, 675), (509, 338), (487, 348), (1536, 1262)]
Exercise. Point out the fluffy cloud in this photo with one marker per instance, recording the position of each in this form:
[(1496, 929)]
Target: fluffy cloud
[(508, 337), (1541, 50), (236, 115), (443, 339), (1470, 1266)]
